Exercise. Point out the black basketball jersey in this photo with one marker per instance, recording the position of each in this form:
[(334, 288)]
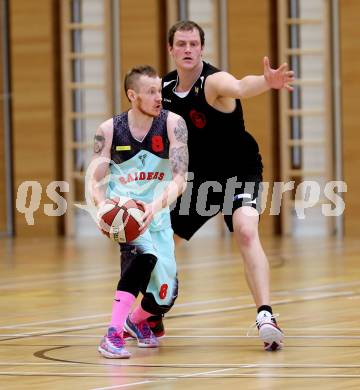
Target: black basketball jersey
[(125, 146), (219, 145)]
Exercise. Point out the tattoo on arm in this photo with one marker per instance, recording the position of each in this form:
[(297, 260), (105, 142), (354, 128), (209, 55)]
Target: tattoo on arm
[(179, 159), (99, 143), (180, 131)]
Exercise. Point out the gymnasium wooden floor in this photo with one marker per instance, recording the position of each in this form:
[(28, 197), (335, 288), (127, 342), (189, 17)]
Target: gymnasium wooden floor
[(56, 297)]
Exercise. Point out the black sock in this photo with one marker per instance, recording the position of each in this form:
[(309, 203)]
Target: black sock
[(265, 307)]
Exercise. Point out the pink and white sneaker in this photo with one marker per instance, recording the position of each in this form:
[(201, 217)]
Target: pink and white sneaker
[(156, 325), (143, 333), (112, 345)]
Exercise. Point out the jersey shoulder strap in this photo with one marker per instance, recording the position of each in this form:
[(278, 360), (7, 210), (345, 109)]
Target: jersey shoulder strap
[(170, 78), (209, 69)]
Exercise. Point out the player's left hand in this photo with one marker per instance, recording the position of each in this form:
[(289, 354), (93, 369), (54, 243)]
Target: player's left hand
[(278, 78), (147, 216)]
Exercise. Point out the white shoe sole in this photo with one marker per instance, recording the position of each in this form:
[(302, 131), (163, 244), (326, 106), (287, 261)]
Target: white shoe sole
[(110, 355), (131, 337), (139, 343), (272, 337)]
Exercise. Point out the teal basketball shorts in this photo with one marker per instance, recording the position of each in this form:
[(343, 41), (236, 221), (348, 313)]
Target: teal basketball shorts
[(163, 280)]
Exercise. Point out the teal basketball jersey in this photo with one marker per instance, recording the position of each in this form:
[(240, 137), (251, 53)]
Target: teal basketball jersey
[(141, 169)]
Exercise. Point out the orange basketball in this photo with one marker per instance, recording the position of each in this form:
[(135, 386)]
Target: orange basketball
[(120, 219)]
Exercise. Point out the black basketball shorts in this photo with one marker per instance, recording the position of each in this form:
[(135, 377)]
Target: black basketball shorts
[(201, 201)]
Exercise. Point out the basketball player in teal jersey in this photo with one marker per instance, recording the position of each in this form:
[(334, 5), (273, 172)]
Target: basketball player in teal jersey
[(147, 147), (209, 101)]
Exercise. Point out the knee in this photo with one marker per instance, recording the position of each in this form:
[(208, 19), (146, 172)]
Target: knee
[(245, 222), (246, 235), (149, 303), (137, 273)]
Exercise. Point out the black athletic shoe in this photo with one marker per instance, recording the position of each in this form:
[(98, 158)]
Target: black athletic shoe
[(156, 325)]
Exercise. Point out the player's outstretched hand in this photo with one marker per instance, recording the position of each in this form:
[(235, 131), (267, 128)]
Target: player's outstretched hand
[(278, 78), (147, 217)]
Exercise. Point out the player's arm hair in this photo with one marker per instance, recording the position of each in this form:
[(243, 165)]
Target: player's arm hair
[(100, 160)]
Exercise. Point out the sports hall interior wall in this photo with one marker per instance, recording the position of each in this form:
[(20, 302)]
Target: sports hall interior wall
[(350, 97), (142, 37), (35, 103), (249, 39), (2, 150)]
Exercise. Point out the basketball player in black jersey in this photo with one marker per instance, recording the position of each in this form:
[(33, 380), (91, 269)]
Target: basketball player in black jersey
[(221, 150)]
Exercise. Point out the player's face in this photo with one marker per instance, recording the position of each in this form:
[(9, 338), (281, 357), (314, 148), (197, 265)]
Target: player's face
[(148, 97), (187, 50)]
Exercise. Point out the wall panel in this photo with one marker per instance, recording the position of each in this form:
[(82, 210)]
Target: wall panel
[(2, 155), (34, 106), (142, 36), (248, 42), (350, 79)]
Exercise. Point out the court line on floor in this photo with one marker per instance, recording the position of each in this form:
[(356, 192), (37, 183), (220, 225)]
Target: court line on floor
[(187, 336), (69, 319), (52, 277), (186, 304), (195, 365), (173, 376), (186, 314), (215, 375), (101, 273), (185, 376), (320, 328)]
